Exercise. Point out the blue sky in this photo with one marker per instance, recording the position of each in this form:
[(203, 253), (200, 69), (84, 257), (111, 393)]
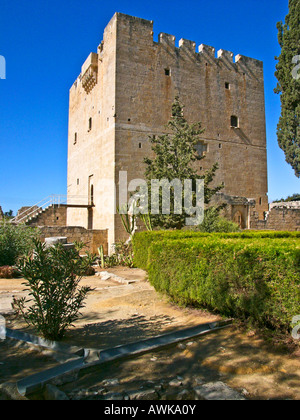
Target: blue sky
[(45, 43)]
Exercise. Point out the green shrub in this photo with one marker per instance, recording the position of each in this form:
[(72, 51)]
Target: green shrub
[(15, 241), (257, 280), (214, 223), (53, 277), (143, 240)]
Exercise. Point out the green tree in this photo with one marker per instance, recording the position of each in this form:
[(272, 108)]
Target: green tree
[(9, 214), (175, 157), (214, 223), (55, 298), (288, 76)]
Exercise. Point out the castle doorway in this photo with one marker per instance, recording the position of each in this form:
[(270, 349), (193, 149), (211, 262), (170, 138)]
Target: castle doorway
[(239, 220)]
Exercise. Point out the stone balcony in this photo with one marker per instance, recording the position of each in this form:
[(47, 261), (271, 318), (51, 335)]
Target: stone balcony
[(89, 73)]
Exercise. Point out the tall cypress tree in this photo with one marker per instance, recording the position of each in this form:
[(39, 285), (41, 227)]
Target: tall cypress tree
[(288, 76)]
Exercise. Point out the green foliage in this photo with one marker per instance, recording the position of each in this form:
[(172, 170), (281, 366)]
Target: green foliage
[(128, 221), (175, 157), (9, 214), (253, 279), (88, 260), (124, 252), (143, 241), (289, 86), (52, 279), (123, 255), (214, 223), (294, 197), (15, 241)]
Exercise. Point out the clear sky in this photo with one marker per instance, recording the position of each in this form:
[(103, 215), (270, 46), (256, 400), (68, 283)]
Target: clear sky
[(45, 43)]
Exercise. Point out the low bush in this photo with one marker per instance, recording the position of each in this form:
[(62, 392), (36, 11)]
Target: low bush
[(214, 223), (251, 276), (15, 242), (55, 298), (143, 240)]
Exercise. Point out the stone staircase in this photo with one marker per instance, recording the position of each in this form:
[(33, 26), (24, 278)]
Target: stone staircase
[(52, 211), (53, 215)]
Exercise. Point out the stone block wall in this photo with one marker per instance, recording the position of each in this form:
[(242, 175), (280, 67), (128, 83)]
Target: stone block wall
[(279, 218), (52, 216), (92, 238)]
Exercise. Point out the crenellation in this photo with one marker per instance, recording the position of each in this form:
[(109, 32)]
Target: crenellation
[(207, 50), (248, 61), (187, 45), (226, 55), (166, 39)]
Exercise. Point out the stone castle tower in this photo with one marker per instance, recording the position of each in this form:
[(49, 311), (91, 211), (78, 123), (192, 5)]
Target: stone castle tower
[(124, 95)]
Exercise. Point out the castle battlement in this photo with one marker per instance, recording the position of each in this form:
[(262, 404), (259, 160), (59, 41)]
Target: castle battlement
[(124, 95), (141, 31)]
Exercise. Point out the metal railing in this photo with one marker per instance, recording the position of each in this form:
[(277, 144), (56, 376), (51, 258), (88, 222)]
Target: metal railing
[(50, 201)]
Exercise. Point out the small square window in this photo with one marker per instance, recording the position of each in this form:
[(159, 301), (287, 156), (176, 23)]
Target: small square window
[(227, 86), (201, 148), (140, 145), (220, 145), (234, 121), (167, 72)]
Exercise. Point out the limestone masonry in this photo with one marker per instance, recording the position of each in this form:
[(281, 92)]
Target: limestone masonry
[(124, 95)]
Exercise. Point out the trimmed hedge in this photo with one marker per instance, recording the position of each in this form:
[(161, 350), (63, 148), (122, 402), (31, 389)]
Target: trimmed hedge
[(143, 240), (257, 279)]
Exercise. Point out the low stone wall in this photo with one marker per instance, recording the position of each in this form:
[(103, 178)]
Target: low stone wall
[(92, 238), (279, 218)]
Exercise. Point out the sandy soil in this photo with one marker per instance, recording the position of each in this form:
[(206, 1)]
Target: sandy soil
[(246, 364), (118, 314)]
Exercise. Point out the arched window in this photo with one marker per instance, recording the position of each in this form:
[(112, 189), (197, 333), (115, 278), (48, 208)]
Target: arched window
[(238, 219)]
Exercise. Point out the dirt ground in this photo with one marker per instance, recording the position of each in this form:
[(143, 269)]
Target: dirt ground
[(118, 314)]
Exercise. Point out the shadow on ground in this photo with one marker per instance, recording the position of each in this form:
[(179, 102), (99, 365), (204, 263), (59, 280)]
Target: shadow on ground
[(242, 362), (112, 333)]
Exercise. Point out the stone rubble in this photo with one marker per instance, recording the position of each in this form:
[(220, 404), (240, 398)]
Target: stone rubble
[(176, 389)]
